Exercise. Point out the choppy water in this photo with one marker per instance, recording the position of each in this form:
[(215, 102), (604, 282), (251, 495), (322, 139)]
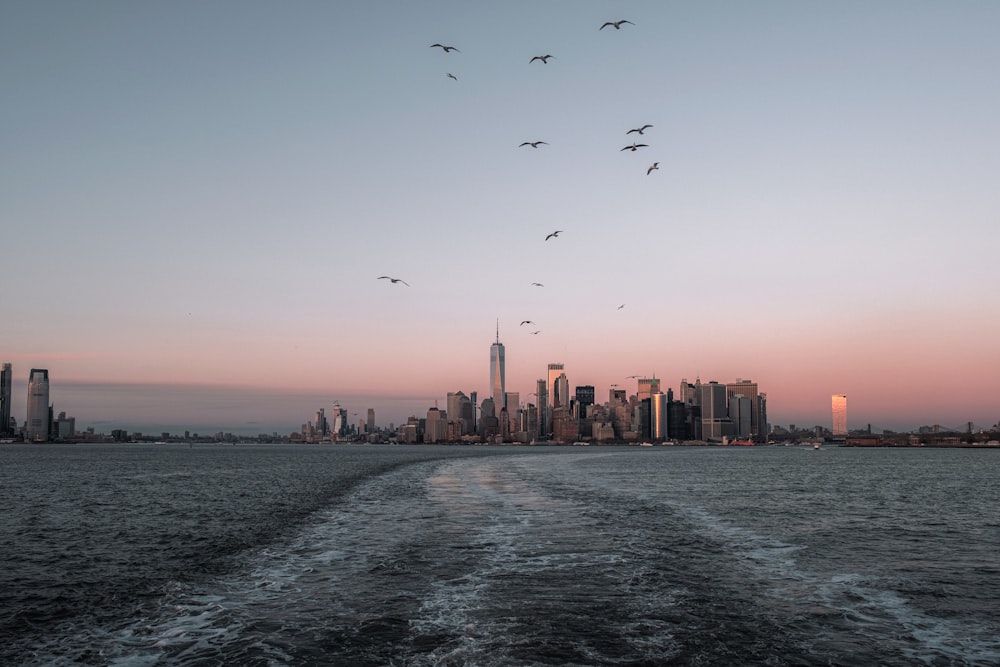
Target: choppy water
[(360, 555)]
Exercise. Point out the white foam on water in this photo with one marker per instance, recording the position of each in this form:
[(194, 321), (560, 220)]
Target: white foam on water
[(522, 534), (867, 602), (293, 582), (878, 611)]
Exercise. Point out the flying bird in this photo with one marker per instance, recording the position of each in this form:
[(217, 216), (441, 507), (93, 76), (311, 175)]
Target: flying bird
[(523, 322), (533, 144), (537, 285), (617, 25), (631, 377), (451, 76), (544, 59), (621, 306), (640, 130), (555, 233), (394, 280), (655, 165), (634, 147), (446, 48), (535, 333)]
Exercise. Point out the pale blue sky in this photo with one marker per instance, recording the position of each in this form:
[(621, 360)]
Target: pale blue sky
[(206, 192)]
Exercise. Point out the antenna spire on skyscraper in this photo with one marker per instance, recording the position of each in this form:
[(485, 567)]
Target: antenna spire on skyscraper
[(498, 330)]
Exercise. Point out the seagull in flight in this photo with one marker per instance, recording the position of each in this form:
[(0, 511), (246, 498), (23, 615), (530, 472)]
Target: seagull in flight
[(621, 306), (631, 377), (537, 285), (446, 48), (634, 147), (394, 280), (535, 333), (555, 233), (617, 25), (640, 130), (523, 322), (544, 59), (533, 144), (655, 165), (451, 76)]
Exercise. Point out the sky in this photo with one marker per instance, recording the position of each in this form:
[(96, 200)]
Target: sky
[(197, 199)]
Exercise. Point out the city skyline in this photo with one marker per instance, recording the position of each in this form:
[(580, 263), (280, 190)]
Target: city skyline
[(224, 408), (204, 212)]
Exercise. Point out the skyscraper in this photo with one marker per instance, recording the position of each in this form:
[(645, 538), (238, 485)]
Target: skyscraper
[(555, 370), (498, 384), (513, 402), (542, 394), (38, 405), (5, 383), (839, 414), (741, 413), (758, 422), (658, 416), (647, 387), (560, 397), (585, 397), (715, 421)]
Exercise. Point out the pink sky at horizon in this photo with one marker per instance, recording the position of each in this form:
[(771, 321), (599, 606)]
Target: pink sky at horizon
[(891, 390)]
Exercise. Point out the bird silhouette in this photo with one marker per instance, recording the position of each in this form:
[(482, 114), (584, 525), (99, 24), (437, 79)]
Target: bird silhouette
[(446, 48), (537, 284), (617, 25), (533, 144), (555, 233), (535, 333), (394, 280), (451, 76), (523, 322), (631, 377), (544, 59), (634, 147), (621, 306), (655, 165), (640, 130)]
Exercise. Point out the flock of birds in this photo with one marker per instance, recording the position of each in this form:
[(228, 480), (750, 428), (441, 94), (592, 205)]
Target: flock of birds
[(633, 147)]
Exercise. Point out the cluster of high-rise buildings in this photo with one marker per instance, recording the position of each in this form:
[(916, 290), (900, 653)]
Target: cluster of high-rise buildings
[(703, 411), (709, 411), (337, 426), (41, 424)]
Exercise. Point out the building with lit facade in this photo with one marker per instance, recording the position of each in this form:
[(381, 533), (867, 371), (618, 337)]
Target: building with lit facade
[(647, 387), (839, 406), (658, 416)]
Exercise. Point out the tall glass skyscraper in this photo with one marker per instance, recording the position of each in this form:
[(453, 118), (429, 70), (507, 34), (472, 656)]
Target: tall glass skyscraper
[(555, 370), (5, 383), (839, 414), (498, 383), (38, 405)]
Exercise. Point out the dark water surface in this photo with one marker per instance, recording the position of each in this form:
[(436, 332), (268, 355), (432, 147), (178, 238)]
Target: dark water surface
[(427, 555)]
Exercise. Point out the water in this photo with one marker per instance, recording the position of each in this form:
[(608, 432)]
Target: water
[(426, 555)]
